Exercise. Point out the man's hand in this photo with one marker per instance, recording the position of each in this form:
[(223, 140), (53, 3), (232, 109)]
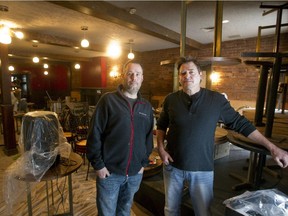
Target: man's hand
[(102, 173), (165, 156), (280, 156)]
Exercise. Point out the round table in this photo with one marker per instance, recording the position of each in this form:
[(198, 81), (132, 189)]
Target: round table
[(65, 167)]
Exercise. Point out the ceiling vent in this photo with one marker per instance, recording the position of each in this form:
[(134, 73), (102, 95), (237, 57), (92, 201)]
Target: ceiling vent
[(234, 36), (208, 29)]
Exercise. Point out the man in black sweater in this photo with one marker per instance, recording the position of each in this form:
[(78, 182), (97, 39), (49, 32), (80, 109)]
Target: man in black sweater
[(192, 114)]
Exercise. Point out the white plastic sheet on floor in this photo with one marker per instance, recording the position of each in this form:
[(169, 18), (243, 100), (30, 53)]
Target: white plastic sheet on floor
[(261, 202)]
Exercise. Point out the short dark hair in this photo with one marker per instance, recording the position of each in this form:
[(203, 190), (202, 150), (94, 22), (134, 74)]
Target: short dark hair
[(130, 62), (186, 59)]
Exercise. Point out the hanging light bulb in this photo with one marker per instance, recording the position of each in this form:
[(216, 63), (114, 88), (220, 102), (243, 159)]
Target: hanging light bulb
[(5, 37), (35, 59), (84, 41), (11, 68), (131, 54), (114, 49)]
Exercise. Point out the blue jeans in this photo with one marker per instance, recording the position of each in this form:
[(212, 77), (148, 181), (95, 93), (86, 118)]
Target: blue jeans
[(115, 194), (200, 186)]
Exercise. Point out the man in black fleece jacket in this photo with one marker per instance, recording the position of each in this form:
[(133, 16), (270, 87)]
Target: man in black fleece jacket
[(192, 114), (119, 142)]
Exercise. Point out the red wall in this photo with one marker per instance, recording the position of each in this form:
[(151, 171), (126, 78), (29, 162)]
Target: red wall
[(56, 80), (93, 73), (56, 83)]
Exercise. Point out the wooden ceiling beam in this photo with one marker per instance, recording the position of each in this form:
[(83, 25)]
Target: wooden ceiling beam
[(27, 57), (106, 11), (46, 39), (58, 41)]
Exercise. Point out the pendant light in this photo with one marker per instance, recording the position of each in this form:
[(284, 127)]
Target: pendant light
[(84, 41), (131, 54), (35, 59)]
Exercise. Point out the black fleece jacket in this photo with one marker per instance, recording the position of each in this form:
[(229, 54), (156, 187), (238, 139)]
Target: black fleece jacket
[(120, 137), (192, 121)]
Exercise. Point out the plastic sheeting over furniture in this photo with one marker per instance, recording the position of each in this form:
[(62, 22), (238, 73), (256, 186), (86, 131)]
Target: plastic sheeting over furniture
[(42, 144)]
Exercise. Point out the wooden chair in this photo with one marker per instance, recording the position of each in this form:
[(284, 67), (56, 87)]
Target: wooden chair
[(64, 119), (79, 129)]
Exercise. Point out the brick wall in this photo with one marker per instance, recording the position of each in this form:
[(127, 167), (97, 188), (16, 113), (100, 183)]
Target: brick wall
[(239, 82)]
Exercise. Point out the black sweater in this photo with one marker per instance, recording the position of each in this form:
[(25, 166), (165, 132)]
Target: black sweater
[(192, 121), (120, 136)]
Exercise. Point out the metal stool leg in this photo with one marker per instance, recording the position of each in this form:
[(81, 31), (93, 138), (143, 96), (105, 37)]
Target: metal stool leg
[(87, 171)]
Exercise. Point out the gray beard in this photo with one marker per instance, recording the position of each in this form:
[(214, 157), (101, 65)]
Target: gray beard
[(133, 90)]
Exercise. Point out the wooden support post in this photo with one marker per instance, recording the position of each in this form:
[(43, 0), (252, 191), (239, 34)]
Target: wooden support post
[(6, 106), (264, 71)]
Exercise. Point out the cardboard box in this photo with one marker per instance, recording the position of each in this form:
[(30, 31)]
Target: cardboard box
[(221, 150)]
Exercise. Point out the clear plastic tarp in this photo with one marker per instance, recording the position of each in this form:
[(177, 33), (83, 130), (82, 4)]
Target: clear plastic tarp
[(42, 143), (262, 202)]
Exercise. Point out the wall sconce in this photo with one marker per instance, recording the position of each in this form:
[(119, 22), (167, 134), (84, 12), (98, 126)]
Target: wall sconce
[(215, 77), (77, 66), (131, 54), (114, 72), (84, 41)]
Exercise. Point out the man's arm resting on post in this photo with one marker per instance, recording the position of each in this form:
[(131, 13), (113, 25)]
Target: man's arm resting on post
[(278, 154)]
